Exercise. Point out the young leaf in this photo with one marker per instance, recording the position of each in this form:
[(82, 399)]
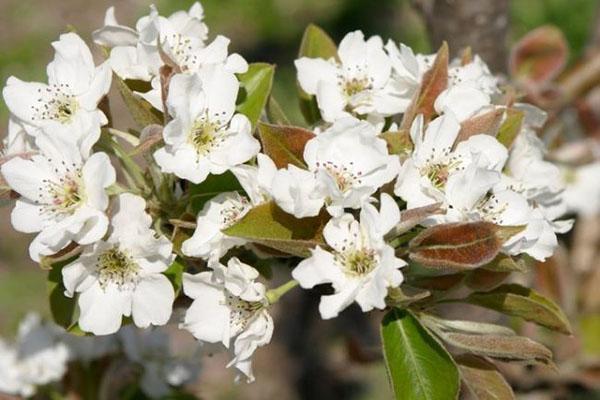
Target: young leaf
[(256, 87), (275, 113), (519, 301), (479, 328), (483, 379), (141, 111), (62, 308), (485, 123), (460, 246), (315, 44), (175, 275), (503, 347), (418, 366), (433, 83), (510, 128), (506, 263), (270, 226), (540, 55), (284, 144), (398, 142), (484, 279)]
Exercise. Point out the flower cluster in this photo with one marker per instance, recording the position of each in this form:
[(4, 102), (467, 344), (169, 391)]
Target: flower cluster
[(404, 144)]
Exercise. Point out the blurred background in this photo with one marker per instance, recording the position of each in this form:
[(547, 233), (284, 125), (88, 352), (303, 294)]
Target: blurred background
[(270, 31)]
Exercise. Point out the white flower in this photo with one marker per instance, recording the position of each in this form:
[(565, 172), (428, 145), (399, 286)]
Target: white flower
[(208, 241), (358, 84), (582, 189), (350, 163), (17, 142), (62, 197), (66, 107), (37, 358), (162, 367), (229, 307), (206, 135), (361, 266), (257, 181), (122, 276), (295, 191), (180, 38), (438, 172)]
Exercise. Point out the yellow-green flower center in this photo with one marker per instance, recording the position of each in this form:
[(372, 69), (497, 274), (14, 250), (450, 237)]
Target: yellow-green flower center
[(116, 266)]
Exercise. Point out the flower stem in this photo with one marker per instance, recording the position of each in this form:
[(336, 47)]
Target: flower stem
[(273, 295)]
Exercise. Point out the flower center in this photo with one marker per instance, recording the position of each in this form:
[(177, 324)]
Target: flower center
[(492, 210), (357, 262), (234, 212), (65, 194), (242, 313), (343, 177), (438, 174), (182, 51), (205, 135), (56, 104), (355, 86), (116, 266)]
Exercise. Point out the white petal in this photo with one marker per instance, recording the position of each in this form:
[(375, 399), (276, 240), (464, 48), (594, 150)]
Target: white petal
[(313, 70), (102, 310), (152, 301)]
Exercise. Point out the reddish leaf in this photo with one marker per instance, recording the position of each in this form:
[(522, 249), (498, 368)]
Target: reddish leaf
[(540, 55), (284, 144), (484, 123), (483, 379), (460, 246), (434, 82)]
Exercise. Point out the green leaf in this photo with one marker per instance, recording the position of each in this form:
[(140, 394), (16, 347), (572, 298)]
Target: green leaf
[(212, 186), (482, 378), (398, 142), (519, 301), (270, 226), (510, 128), (453, 325), (175, 274), (419, 367), (284, 144), (460, 246), (256, 86), (316, 43), (141, 111), (506, 263), (275, 113), (62, 308)]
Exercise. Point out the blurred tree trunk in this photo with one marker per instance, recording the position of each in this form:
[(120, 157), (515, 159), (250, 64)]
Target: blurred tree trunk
[(480, 24)]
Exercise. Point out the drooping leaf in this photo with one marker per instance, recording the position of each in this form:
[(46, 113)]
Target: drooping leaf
[(212, 186), (411, 218), (419, 368), (316, 43), (275, 113), (462, 326), (482, 378), (484, 279), (434, 82), (503, 347), (510, 128), (460, 246), (485, 123), (540, 55), (519, 301), (284, 144), (141, 111), (255, 89), (398, 142), (270, 226), (175, 275), (62, 308), (404, 295)]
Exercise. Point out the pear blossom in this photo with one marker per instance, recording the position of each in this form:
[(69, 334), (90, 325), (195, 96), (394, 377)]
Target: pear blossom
[(361, 266), (63, 197), (208, 241), (257, 181), (123, 276), (179, 40), (66, 107), (205, 135), (356, 84), (36, 359), (17, 142), (439, 172), (230, 307), (349, 163), (162, 367), (582, 188)]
